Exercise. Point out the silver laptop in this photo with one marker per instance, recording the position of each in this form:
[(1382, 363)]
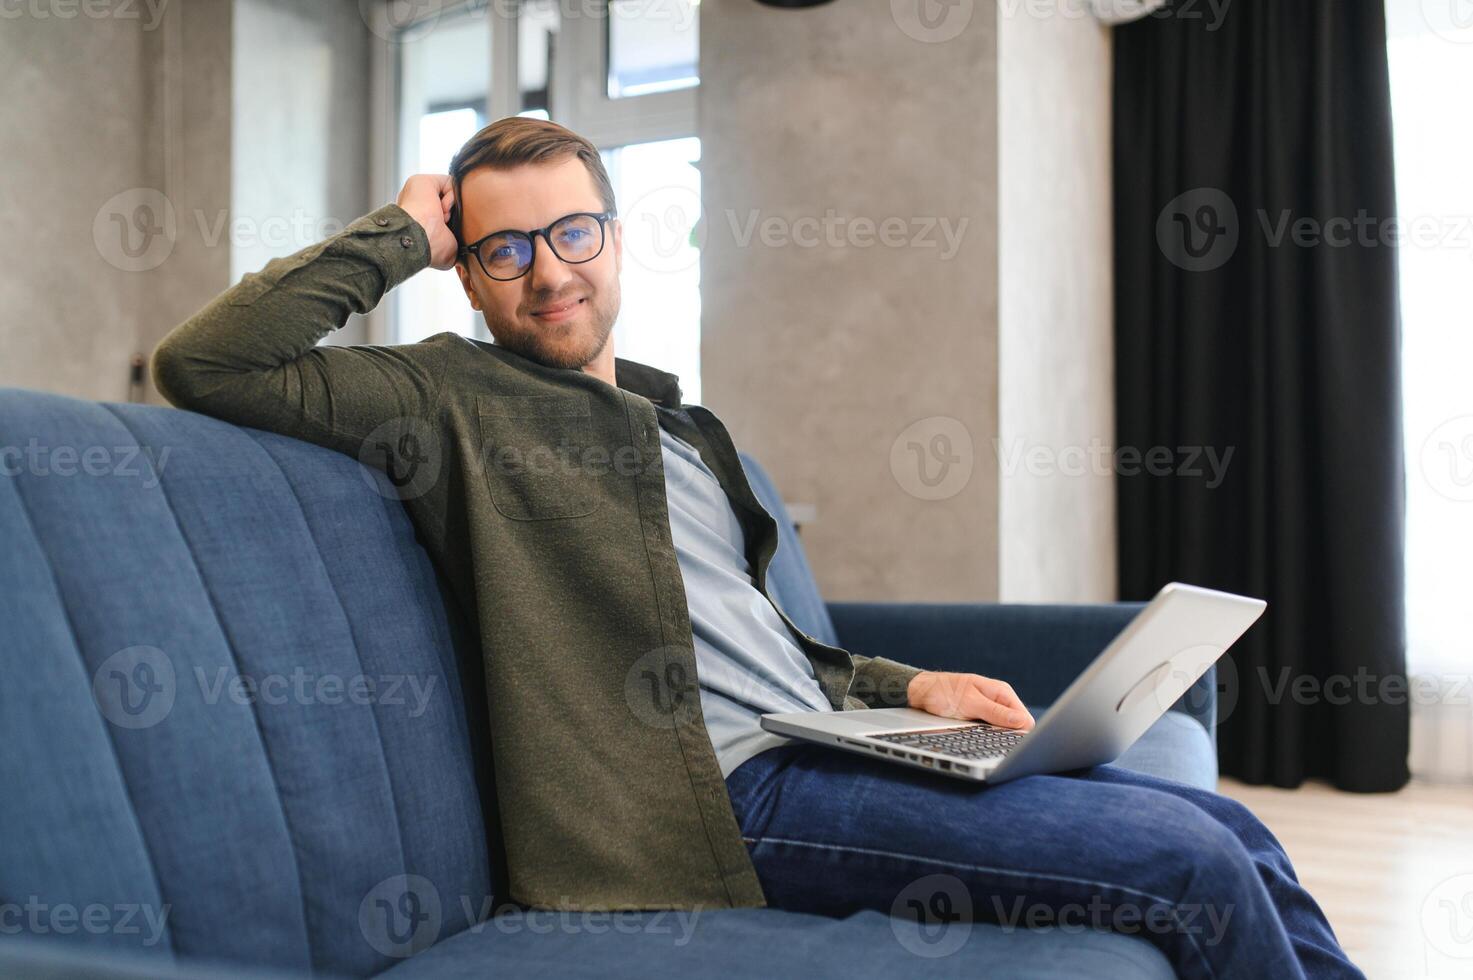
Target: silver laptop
[(1133, 682)]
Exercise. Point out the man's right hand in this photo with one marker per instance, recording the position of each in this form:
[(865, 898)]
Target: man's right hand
[(428, 199), (968, 697)]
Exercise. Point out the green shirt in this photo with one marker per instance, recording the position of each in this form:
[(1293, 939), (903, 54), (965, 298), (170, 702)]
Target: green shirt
[(540, 494)]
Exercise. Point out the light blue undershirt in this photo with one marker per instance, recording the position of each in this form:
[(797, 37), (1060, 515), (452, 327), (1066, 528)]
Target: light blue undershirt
[(747, 661)]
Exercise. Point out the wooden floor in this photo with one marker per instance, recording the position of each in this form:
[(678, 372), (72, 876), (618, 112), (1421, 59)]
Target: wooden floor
[(1393, 872)]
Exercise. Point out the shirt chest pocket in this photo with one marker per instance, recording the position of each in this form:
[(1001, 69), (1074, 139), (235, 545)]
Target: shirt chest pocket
[(535, 454)]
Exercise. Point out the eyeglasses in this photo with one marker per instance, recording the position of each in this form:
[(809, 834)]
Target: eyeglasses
[(573, 238)]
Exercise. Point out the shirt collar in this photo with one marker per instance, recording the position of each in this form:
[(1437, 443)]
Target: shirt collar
[(660, 387)]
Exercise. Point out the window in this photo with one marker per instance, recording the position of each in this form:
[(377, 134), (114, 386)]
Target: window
[(652, 47), (658, 187), (1431, 66), (444, 72), (537, 25), (623, 75)]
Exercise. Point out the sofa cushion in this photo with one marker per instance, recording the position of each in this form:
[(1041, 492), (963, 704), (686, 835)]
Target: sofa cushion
[(1175, 747)]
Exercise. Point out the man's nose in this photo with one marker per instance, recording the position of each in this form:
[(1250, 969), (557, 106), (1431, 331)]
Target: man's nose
[(549, 273)]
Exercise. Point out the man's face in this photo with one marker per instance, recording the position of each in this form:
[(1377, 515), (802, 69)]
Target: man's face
[(557, 314)]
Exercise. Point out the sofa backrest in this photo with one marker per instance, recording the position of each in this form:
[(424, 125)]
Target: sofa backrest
[(789, 578), (231, 706)]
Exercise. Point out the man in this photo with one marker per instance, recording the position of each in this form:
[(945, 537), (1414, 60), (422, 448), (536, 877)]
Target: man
[(614, 558)]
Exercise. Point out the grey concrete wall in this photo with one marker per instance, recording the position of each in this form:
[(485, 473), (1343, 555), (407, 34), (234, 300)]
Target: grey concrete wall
[(821, 358), (153, 158), (1057, 513), (100, 127), (190, 123), (301, 110), (885, 386)]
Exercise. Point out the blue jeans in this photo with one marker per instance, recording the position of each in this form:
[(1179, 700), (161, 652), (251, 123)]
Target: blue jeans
[(1191, 871)]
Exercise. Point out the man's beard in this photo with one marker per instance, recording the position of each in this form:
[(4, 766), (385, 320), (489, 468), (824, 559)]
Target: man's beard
[(549, 344)]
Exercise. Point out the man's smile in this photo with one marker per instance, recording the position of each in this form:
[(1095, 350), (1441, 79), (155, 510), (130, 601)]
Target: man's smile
[(558, 312)]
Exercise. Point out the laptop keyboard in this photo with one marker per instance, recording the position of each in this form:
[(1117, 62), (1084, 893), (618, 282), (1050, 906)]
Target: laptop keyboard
[(966, 742)]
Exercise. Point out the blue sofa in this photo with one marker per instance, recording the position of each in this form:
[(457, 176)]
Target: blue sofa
[(242, 732)]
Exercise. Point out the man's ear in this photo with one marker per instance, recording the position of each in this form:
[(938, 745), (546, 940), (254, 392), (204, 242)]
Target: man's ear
[(617, 228), (465, 283)]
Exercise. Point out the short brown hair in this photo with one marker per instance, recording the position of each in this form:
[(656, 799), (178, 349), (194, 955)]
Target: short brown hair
[(516, 140)]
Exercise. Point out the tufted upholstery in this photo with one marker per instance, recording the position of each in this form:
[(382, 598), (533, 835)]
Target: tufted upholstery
[(155, 561), (259, 824)]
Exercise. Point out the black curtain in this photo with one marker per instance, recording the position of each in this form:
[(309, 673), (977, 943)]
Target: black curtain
[(1257, 315)]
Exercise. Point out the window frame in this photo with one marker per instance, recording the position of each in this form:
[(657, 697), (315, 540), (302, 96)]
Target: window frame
[(579, 101)]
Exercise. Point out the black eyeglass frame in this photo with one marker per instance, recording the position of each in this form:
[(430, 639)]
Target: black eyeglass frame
[(603, 218)]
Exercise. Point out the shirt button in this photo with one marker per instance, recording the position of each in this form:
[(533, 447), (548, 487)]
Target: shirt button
[(407, 242), (381, 222)]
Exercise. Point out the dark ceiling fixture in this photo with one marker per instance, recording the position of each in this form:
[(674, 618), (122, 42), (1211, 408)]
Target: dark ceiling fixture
[(792, 4)]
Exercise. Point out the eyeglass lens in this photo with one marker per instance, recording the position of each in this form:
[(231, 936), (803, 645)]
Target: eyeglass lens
[(576, 238)]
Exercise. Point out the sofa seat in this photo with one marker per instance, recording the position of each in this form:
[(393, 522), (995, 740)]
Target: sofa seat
[(772, 943)]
